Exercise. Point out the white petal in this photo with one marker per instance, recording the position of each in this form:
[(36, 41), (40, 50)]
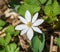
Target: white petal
[(20, 27), (30, 34), (28, 16), (35, 17), (38, 22), (22, 19), (37, 29), (24, 31)]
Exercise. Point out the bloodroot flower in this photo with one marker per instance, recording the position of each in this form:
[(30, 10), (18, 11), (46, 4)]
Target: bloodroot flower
[(29, 24)]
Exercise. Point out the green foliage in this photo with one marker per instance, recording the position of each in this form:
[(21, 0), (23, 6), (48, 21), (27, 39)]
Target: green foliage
[(2, 23), (16, 33), (1, 28), (38, 43), (2, 42), (48, 10), (49, 2), (58, 41), (12, 48), (34, 2), (50, 19), (10, 29), (56, 9), (5, 40), (2, 50), (32, 8), (51, 10), (42, 1)]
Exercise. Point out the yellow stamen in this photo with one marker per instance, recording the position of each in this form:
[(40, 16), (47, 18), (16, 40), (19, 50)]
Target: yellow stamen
[(29, 24)]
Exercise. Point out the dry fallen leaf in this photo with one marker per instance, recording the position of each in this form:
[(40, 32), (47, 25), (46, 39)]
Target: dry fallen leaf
[(24, 42)]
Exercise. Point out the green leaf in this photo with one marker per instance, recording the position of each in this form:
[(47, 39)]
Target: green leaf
[(7, 39), (10, 29), (12, 48), (50, 19), (17, 50), (48, 10), (34, 2), (32, 8), (1, 28), (49, 2), (38, 43), (7, 49), (16, 33), (35, 44), (58, 41), (2, 23), (56, 9), (52, 9), (3, 50), (2, 42), (42, 1)]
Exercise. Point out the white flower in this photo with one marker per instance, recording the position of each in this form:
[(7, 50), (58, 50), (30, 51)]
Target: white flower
[(29, 25)]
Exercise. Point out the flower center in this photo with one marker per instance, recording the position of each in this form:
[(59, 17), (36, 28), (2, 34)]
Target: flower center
[(29, 24)]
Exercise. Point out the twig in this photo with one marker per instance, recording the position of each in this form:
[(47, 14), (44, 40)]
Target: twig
[(51, 44)]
